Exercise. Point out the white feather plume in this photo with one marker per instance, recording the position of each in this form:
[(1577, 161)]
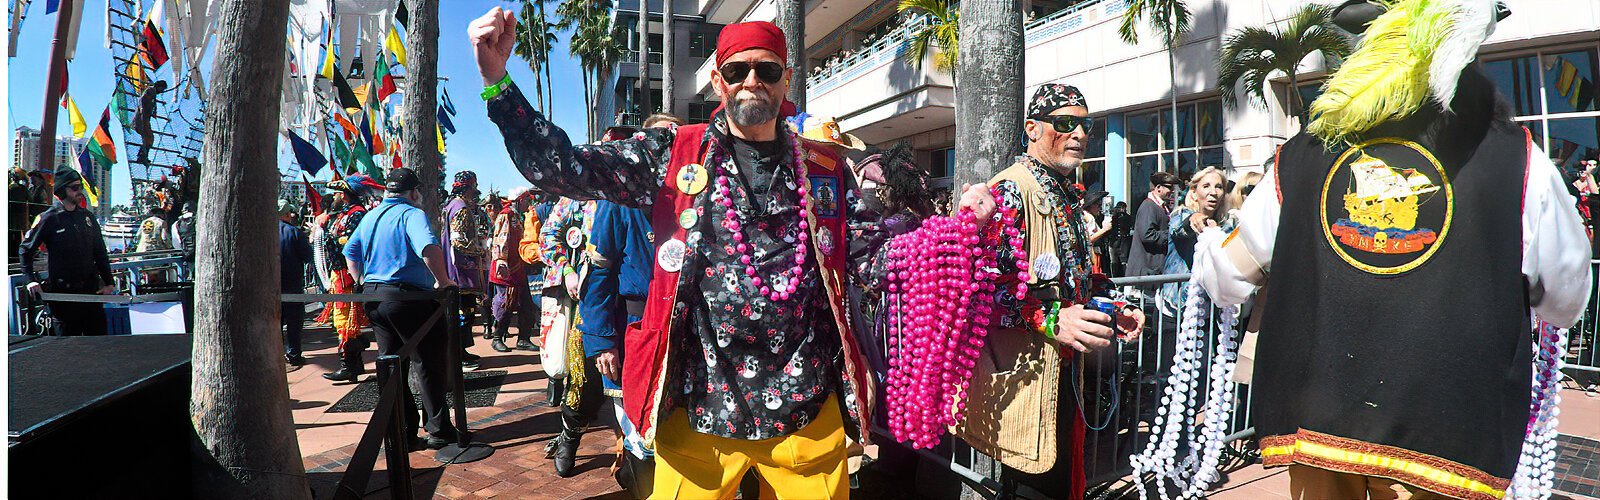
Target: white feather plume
[(1470, 23)]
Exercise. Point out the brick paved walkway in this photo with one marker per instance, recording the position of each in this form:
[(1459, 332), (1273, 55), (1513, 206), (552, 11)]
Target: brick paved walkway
[(519, 431)]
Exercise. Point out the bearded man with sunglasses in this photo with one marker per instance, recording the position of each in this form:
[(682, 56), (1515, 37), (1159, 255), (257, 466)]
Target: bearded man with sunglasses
[(1024, 376), (744, 356)]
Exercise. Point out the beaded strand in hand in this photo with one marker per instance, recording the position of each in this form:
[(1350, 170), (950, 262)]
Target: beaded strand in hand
[(1535, 475), (942, 278)]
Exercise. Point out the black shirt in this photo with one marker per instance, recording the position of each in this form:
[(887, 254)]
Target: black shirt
[(77, 252)]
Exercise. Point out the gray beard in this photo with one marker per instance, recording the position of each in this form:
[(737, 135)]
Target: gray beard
[(752, 114)]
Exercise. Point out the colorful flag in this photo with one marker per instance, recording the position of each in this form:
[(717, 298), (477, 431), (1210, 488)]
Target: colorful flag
[(78, 125), (341, 154), (403, 15), (366, 131), (306, 154), (330, 60), (347, 95), (383, 78), (154, 49), (100, 144), (350, 131), (52, 5), (364, 159), (91, 178), (312, 196), (444, 120), (437, 134), (396, 46), (444, 95)]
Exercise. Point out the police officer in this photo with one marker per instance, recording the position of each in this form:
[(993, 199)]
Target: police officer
[(78, 262)]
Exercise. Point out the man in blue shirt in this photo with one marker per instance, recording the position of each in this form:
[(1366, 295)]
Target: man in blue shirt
[(293, 253), (394, 249)]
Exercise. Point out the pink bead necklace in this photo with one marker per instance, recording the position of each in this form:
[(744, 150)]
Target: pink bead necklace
[(942, 278), (783, 286)]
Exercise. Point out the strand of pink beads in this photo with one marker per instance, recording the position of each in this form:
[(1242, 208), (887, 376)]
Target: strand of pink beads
[(775, 288), (942, 279)]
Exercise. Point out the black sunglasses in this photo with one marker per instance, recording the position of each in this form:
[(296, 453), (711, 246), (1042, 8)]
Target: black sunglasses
[(1065, 123), (768, 71)]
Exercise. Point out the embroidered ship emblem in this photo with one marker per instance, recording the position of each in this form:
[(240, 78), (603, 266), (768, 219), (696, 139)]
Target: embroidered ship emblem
[(1386, 206), (1382, 205)]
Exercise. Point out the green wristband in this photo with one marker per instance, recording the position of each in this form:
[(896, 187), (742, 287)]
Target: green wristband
[(1050, 320), (495, 89)]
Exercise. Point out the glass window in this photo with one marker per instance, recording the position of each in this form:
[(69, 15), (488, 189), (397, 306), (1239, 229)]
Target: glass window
[(1092, 174), (1536, 127), (1185, 126), (1187, 164), (1309, 93), (939, 162), (702, 44), (1210, 122), (1139, 170), (1097, 140), (1515, 79), (1569, 80), (1145, 132), (1573, 140)]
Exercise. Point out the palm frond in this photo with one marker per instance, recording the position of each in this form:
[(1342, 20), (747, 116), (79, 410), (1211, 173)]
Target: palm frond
[(1251, 55)]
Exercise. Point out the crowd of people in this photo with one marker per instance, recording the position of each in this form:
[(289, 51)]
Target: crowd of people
[(729, 288)]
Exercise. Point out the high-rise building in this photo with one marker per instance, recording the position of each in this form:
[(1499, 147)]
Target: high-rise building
[(694, 41), (25, 154), (1542, 58)]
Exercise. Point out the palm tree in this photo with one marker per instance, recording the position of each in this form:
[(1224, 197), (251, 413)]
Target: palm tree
[(989, 89), (792, 20), (1169, 19), (1252, 55), (597, 43), (942, 33), (666, 57), (419, 150), (240, 400), (534, 41)]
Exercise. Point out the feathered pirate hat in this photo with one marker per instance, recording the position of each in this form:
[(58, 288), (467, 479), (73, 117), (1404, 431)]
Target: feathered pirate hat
[(1411, 51)]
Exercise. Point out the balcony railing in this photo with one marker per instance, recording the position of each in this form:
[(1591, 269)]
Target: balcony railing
[(856, 63)]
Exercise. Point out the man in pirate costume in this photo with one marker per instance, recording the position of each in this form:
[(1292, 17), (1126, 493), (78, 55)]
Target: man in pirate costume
[(466, 229), (1407, 234), (350, 197), (1020, 412), (744, 357)]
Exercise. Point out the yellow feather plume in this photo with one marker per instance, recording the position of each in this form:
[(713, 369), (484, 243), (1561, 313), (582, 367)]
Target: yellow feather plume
[(1385, 79)]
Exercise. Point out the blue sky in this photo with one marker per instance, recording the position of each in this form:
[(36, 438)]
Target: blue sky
[(476, 146)]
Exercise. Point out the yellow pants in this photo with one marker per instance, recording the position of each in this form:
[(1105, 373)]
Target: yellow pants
[(809, 464), (1312, 483)]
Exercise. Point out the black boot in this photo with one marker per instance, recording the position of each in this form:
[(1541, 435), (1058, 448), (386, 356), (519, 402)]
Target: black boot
[(526, 345), (566, 452), (554, 391), (350, 369)]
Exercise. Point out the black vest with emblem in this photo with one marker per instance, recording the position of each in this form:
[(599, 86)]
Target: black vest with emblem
[(1398, 322)]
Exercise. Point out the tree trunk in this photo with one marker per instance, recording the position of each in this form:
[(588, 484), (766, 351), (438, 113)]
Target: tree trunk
[(239, 401), (644, 60), (988, 90), (667, 101), (1295, 106), (1172, 69), (420, 146), (588, 106), (792, 20)]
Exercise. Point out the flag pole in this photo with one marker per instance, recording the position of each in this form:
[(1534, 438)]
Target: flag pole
[(52, 89)]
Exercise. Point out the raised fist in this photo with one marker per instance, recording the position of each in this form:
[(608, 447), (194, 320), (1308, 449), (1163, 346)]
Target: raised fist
[(492, 37)]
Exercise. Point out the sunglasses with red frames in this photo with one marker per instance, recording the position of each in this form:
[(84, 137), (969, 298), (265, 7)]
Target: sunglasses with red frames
[(735, 72)]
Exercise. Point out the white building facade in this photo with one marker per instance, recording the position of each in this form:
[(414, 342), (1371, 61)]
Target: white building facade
[(1543, 58)]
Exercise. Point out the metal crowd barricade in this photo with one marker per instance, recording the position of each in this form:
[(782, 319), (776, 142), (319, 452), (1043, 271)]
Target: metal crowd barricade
[(126, 271), (1582, 353), (1143, 366)]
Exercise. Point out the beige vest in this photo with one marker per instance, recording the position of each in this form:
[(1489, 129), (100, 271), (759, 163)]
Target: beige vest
[(1011, 405)]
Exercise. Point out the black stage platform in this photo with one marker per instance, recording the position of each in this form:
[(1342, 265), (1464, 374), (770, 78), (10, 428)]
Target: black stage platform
[(99, 417)]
